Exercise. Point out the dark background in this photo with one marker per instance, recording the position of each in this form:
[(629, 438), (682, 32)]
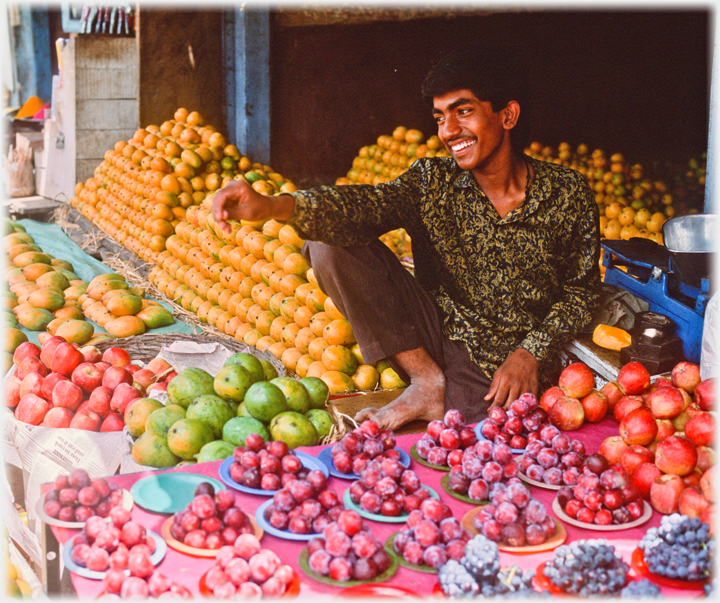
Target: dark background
[(635, 82)]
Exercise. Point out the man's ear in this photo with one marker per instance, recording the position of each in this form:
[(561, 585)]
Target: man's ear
[(511, 115)]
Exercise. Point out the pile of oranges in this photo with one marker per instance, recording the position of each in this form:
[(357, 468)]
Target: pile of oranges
[(153, 194)]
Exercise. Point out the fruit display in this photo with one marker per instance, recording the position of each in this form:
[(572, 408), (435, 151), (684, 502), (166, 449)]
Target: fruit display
[(607, 498), (157, 585), (60, 384), (119, 545), (352, 453), (432, 536), (514, 517), (478, 574), (555, 459), (153, 193), (246, 571), (76, 497), (588, 568), (517, 426), (207, 417), (641, 589), (15, 585), (347, 550), (444, 440), (482, 465), (681, 548), (210, 520)]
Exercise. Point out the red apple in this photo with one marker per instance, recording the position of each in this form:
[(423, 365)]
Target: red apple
[(99, 401), (611, 448), (170, 376), (634, 378), (32, 384), (705, 394), (577, 380), (709, 518), (50, 382), (66, 359), (87, 376), (103, 366), (159, 366), (706, 458), (32, 409), (160, 386), (132, 368), (116, 357), (30, 364), (665, 493), (676, 455), (625, 405), (550, 397), (567, 414), (693, 478), (91, 353), (686, 375), (681, 420), (11, 387), (116, 375), (113, 422), (87, 420), (692, 502), (58, 417), (25, 349), (638, 427), (143, 378), (665, 428), (595, 405), (613, 392), (700, 430), (123, 394), (47, 349), (643, 478), (666, 402), (67, 395), (634, 456), (707, 485)]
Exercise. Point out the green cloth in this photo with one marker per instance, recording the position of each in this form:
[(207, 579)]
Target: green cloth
[(529, 279), (53, 241)]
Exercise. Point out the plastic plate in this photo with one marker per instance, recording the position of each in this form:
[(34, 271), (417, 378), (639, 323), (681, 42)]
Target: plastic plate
[(462, 497), (389, 547), (308, 461), (195, 552), (156, 557), (325, 456), (647, 513), (534, 482), (349, 504), (637, 562), (422, 461), (127, 503), (303, 562), (286, 534), (480, 436), (169, 492)]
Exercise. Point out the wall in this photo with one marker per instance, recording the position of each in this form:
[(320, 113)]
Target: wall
[(634, 82)]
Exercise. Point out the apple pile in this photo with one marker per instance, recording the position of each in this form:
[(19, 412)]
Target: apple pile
[(246, 571), (432, 536), (574, 399), (347, 550), (77, 497), (304, 505), (518, 425), (603, 495), (443, 442), (367, 441), (119, 545), (483, 464), (513, 516), (210, 520), (387, 488), (554, 459), (60, 384), (265, 466)]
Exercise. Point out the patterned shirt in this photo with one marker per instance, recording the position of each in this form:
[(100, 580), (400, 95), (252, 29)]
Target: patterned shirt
[(530, 279)]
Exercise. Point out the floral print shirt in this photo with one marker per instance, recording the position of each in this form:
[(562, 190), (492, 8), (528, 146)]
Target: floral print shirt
[(530, 279)]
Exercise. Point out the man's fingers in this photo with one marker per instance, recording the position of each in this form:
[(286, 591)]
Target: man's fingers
[(365, 413)]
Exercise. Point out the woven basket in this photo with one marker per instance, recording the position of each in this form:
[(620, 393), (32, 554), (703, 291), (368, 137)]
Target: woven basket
[(146, 347)]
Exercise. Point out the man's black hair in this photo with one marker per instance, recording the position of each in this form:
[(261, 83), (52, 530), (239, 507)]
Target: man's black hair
[(492, 74)]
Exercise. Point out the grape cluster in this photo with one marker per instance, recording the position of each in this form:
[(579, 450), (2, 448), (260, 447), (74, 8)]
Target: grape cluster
[(681, 548), (641, 589), (587, 568), (478, 573), (710, 588)]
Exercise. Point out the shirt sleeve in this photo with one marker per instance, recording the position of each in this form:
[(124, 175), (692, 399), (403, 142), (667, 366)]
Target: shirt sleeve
[(581, 284), (354, 214)]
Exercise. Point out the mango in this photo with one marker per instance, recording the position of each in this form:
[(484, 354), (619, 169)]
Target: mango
[(137, 413), (54, 325), (35, 319), (294, 429), (31, 257), (100, 289), (152, 449), (16, 250), (48, 298), (187, 436), (215, 451), (139, 291), (62, 264), (155, 317), (104, 277), (188, 384), (13, 338), (53, 279), (212, 410), (17, 238), (124, 304), (162, 419), (125, 326), (33, 271), (69, 311), (75, 331), (75, 291)]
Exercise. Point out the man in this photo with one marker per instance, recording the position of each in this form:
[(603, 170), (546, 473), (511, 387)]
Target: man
[(505, 248)]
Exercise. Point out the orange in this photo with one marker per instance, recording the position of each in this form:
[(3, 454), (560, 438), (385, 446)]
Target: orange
[(290, 282), (331, 309), (338, 383), (316, 369), (290, 358), (275, 302), (264, 342), (170, 183), (296, 264), (612, 229), (366, 377), (303, 338), (611, 338), (242, 329), (339, 358), (316, 300), (263, 322), (302, 291), (339, 332), (289, 332), (316, 348), (277, 349), (278, 324), (302, 364), (389, 379), (302, 316), (288, 307), (251, 337), (318, 323), (242, 309)]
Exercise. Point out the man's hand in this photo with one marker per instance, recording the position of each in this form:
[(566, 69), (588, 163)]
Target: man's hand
[(517, 375), (239, 201)]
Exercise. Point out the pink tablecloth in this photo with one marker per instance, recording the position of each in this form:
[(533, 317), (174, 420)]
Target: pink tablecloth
[(188, 570)]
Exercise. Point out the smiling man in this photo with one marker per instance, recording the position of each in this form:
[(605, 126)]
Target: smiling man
[(505, 249)]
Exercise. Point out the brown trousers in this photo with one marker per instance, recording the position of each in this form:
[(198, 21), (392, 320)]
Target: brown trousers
[(391, 313)]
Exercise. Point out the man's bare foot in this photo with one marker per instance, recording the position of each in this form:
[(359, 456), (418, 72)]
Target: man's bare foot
[(417, 402)]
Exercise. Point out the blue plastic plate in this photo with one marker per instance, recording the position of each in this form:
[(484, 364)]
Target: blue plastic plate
[(325, 456), (261, 521), (169, 492), (349, 504), (480, 436)]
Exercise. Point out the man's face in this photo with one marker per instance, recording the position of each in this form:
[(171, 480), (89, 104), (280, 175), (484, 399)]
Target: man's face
[(469, 128)]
